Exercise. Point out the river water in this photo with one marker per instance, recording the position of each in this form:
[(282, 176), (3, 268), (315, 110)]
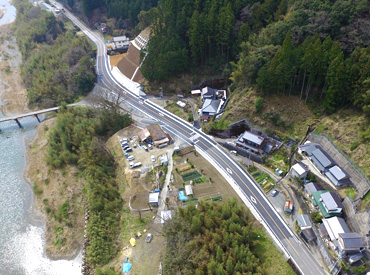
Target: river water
[(21, 231)]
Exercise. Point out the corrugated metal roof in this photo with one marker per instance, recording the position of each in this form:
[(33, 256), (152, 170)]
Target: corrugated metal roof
[(188, 190), (351, 240), (120, 38), (312, 187), (338, 172), (299, 168), (325, 160), (303, 221), (331, 200), (253, 137), (153, 197), (308, 148), (334, 226)]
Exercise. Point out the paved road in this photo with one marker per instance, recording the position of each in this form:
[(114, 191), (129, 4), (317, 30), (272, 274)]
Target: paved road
[(236, 176)]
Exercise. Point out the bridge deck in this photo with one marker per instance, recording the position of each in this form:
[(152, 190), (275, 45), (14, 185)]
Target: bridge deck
[(7, 118)]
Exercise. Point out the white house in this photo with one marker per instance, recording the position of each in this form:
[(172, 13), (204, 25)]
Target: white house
[(299, 170)]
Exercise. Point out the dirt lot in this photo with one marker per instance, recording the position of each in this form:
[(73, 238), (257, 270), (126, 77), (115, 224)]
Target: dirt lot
[(214, 183), (114, 59), (145, 257)]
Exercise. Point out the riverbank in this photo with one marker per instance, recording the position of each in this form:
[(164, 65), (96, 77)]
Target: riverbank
[(13, 94), (58, 195)]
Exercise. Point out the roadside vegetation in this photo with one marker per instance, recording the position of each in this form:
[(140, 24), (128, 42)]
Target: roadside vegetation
[(56, 66), (75, 141), (219, 238)]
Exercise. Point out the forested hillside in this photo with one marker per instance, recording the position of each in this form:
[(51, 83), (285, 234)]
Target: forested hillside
[(56, 66), (78, 139), (316, 49), (119, 9), (218, 238)]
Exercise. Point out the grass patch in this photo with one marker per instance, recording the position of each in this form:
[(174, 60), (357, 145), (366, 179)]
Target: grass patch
[(274, 263), (351, 192), (184, 113)]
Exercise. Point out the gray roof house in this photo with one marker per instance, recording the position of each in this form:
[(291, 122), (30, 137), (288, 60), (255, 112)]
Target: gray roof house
[(350, 242), (338, 176), (251, 141), (312, 187), (331, 202), (210, 108), (304, 221), (321, 159)]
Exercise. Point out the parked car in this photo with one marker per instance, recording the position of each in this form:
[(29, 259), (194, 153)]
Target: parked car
[(274, 193), (150, 147), (149, 237), (130, 158), (234, 152), (145, 148), (128, 150), (153, 158)]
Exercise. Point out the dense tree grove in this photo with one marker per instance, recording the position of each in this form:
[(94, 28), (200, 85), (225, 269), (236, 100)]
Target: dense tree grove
[(119, 9), (56, 67), (214, 238), (74, 140)]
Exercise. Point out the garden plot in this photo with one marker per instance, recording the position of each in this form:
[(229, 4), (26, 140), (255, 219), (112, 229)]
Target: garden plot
[(263, 179), (207, 183)]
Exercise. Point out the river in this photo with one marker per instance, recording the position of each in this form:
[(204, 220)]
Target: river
[(21, 229)]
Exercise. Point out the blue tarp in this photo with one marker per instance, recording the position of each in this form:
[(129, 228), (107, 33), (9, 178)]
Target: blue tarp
[(182, 197), (126, 267)]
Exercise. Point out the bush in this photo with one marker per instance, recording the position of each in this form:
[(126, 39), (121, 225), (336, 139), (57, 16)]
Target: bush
[(316, 217), (258, 104)]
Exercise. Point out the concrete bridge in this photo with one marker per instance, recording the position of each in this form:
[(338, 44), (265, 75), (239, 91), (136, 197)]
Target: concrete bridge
[(35, 114)]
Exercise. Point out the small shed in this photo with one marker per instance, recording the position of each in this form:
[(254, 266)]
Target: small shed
[(188, 190), (195, 93), (288, 206), (304, 221), (299, 170), (181, 104), (154, 199)]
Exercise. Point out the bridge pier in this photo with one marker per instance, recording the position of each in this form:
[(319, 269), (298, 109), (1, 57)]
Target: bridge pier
[(37, 118), (19, 124)]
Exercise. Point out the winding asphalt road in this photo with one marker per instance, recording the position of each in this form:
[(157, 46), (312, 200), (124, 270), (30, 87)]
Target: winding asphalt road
[(238, 178)]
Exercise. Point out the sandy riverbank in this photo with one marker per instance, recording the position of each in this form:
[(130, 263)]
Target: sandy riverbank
[(13, 95)]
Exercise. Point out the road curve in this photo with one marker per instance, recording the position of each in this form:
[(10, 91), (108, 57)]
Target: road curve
[(244, 184)]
